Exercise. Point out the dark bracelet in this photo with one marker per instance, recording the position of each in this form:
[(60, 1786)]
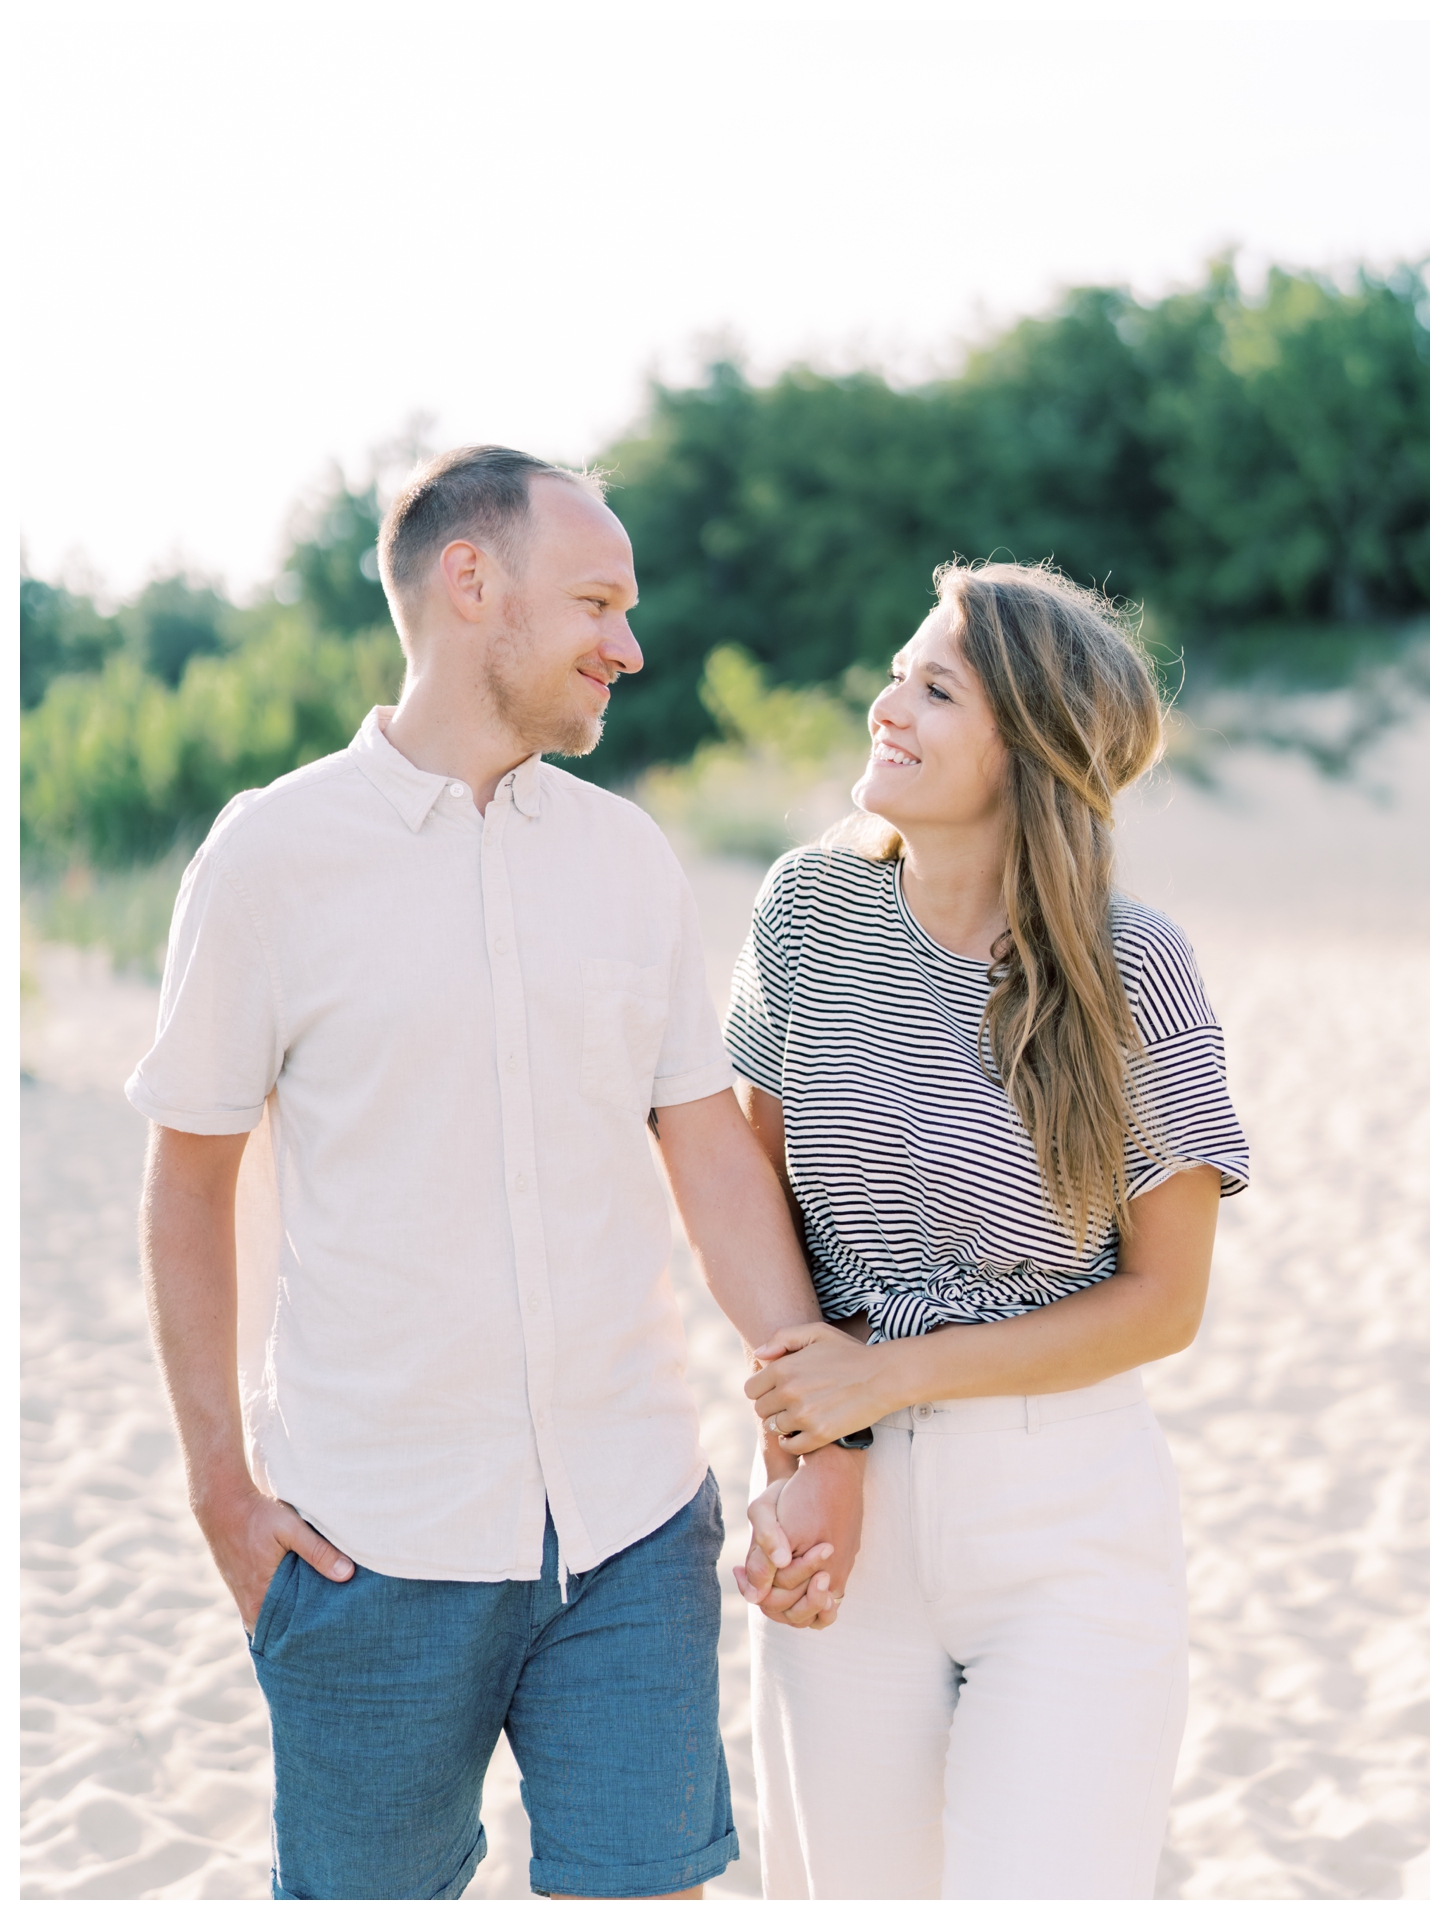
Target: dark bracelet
[(858, 1440)]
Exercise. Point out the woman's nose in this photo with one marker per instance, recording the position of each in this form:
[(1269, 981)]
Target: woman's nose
[(886, 708)]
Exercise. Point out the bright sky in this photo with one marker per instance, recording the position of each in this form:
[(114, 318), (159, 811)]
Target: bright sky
[(256, 241)]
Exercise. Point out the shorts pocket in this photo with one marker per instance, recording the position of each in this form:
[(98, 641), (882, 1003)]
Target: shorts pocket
[(278, 1603), (623, 1011)]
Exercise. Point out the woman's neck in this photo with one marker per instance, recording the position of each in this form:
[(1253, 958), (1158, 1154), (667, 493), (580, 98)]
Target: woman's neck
[(952, 879)]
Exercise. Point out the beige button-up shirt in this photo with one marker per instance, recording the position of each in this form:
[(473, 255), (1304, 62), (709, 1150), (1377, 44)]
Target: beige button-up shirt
[(444, 1033)]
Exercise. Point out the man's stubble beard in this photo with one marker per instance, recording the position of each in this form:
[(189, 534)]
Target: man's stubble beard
[(542, 723)]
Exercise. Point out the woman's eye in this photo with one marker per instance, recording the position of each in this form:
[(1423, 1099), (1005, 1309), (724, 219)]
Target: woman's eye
[(938, 693)]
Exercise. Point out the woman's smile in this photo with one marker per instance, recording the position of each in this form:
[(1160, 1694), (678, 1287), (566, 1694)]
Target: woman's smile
[(884, 754)]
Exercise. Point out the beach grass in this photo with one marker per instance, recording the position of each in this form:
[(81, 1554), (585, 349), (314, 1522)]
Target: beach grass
[(126, 912)]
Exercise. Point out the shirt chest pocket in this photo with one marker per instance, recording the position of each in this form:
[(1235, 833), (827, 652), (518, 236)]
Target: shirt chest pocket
[(623, 1020)]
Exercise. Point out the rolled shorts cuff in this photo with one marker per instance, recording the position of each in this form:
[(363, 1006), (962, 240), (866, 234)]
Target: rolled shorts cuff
[(635, 1883), (451, 1892)]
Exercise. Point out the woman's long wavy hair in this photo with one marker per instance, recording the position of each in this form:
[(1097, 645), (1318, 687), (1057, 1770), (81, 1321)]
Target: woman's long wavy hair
[(1077, 710)]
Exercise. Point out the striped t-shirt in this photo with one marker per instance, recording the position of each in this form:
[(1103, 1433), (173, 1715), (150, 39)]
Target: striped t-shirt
[(921, 1193)]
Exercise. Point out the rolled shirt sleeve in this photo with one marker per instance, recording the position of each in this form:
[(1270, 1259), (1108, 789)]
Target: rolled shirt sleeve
[(219, 1045), (1181, 1080)]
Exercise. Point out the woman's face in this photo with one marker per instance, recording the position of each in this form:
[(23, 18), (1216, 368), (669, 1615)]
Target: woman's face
[(936, 758)]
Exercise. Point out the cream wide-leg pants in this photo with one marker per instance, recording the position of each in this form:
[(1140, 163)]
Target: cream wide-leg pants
[(997, 1711)]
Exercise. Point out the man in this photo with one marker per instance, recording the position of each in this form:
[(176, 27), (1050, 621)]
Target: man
[(404, 1242)]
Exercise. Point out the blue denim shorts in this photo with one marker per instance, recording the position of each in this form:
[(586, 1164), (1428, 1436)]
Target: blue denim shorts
[(387, 1699)]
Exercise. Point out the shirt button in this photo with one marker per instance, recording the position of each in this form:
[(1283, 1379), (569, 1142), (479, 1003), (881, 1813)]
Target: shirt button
[(500, 945), (521, 1183), (532, 1303), (923, 1413), (457, 789)]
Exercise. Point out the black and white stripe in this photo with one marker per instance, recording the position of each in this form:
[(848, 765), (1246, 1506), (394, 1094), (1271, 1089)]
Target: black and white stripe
[(920, 1189)]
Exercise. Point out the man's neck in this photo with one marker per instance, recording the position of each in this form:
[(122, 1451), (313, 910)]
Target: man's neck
[(443, 733)]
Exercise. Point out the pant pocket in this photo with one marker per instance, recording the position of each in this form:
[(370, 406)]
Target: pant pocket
[(278, 1603)]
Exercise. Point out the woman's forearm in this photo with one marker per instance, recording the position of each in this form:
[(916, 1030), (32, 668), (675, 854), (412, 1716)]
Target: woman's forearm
[(1149, 1308), (819, 1383), (1123, 1322)]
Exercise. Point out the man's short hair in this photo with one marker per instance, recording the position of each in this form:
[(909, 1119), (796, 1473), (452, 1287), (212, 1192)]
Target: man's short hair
[(472, 493)]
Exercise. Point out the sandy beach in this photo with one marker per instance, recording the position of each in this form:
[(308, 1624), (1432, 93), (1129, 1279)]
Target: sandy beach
[(1298, 1419)]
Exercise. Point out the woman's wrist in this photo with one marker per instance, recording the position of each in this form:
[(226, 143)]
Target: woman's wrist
[(906, 1371)]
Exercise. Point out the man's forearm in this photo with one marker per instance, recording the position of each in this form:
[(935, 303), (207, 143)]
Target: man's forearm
[(188, 1253), (736, 1217)]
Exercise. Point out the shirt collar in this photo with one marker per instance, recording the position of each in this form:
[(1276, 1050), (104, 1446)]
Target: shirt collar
[(415, 793), (523, 785)]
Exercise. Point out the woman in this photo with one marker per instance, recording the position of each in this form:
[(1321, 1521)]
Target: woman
[(995, 1088)]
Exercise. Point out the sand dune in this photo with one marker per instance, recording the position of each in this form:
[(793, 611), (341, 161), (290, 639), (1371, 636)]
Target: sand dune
[(1298, 1419)]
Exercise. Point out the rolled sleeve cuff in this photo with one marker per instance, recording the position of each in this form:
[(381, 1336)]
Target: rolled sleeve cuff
[(1232, 1178), (216, 1120), (698, 1084)]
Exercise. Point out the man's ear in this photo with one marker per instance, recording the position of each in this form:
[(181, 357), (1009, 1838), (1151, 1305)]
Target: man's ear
[(470, 576)]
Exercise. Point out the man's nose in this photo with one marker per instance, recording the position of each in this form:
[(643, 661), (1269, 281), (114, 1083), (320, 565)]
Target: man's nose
[(621, 648)]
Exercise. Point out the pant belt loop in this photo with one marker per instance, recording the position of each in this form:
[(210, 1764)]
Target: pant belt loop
[(1034, 1413)]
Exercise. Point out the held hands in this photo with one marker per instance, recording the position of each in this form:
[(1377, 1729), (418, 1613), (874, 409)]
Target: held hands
[(805, 1534), (813, 1384), (250, 1534), (816, 1383)]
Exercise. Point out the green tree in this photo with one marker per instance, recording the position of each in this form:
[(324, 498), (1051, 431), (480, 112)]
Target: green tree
[(60, 632), (803, 520), (117, 767), (1222, 460), (172, 620), (1293, 448), (1237, 464), (332, 569)]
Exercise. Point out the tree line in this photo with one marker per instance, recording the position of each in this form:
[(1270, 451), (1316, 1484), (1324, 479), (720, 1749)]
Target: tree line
[(1254, 472)]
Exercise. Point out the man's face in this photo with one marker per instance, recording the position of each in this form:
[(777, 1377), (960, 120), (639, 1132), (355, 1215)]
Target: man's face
[(565, 632)]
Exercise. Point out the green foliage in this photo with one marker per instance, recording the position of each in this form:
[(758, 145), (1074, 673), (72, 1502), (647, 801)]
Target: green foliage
[(168, 622), (127, 913), (118, 767), (141, 726), (1255, 472), (332, 571), (172, 621), (1293, 445), (782, 772), (60, 632), (1222, 460)]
